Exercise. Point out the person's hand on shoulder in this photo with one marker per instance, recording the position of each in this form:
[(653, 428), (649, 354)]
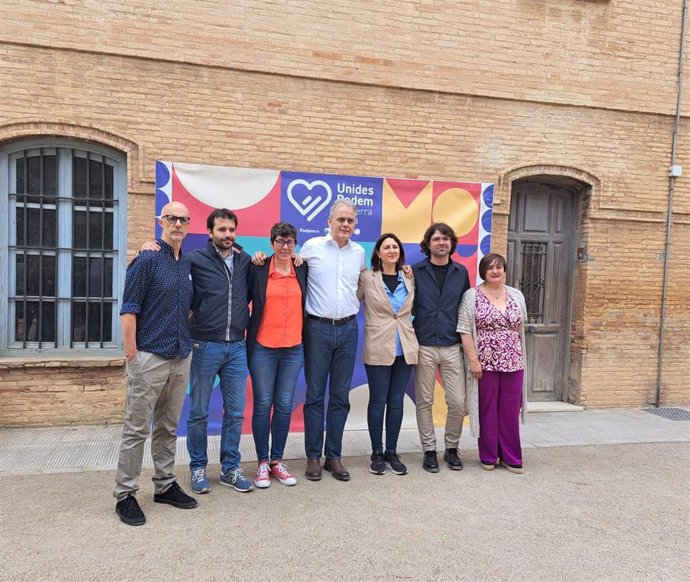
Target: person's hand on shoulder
[(259, 258), (150, 245), (407, 271)]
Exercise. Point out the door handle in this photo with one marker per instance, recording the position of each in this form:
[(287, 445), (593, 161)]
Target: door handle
[(530, 328)]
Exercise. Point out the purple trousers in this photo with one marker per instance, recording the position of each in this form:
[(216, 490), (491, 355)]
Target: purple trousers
[(500, 398)]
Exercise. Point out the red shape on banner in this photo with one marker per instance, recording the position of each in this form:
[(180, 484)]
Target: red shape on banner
[(406, 190), (256, 220)]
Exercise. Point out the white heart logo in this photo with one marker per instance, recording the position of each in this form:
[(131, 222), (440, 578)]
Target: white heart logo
[(316, 202)]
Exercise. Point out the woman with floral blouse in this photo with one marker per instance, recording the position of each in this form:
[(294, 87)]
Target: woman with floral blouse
[(491, 322)]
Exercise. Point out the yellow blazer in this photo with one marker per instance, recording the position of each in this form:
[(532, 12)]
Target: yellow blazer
[(381, 322)]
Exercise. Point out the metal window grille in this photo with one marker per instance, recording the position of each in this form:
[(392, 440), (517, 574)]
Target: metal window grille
[(532, 279), (62, 291)]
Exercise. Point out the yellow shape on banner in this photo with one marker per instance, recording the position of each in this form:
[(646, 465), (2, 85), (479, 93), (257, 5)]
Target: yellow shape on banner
[(438, 410), (457, 208), (408, 223), (439, 407)]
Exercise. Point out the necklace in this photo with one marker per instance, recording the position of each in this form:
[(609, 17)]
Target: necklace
[(495, 295)]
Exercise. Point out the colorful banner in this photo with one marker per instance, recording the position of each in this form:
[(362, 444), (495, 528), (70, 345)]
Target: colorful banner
[(260, 198)]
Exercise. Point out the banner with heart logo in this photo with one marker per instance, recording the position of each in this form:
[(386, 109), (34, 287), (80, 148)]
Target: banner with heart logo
[(262, 197)]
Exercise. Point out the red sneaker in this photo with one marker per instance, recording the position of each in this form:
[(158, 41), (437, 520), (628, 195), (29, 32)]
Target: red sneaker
[(280, 472), (263, 475)]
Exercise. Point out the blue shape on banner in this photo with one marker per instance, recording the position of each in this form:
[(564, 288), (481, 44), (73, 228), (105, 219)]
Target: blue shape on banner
[(485, 245), (486, 221), (162, 180), (466, 250), (306, 199), (488, 195)]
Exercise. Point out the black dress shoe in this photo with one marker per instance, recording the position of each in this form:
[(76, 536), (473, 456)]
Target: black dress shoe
[(336, 469), (313, 472), (129, 512), (452, 460), (176, 497), (430, 462)]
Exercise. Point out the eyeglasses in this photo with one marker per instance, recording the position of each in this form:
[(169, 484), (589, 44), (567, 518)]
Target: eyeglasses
[(282, 243), (172, 219)]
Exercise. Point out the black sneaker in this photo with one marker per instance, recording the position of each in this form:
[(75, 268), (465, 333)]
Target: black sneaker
[(430, 462), (452, 460), (176, 497), (394, 462), (129, 512), (377, 465)]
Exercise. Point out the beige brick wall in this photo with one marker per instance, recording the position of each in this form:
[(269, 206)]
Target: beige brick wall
[(471, 91), (60, 392)]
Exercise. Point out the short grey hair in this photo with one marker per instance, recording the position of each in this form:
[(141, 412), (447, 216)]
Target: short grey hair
[(341, 202)]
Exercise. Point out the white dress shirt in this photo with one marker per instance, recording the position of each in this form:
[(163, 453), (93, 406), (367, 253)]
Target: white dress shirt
[(333, 276)]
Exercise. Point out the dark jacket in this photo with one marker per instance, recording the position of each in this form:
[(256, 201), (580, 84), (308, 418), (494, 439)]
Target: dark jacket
[(258, 281), (436, 310), (212, 320)]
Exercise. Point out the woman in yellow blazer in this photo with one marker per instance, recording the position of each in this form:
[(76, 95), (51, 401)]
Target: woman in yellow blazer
[(390, 348)]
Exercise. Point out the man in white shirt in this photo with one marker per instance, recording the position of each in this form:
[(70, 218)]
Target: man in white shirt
[(330, 346)]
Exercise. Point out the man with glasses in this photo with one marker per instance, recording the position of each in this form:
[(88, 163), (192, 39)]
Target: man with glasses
[(219, 320), (330, 346), (154, 316)]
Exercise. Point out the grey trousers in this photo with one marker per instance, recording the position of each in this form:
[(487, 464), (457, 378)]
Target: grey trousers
[(447, 360), (155, 388)]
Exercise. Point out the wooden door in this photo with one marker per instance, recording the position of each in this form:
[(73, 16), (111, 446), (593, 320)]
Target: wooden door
[(541, 245)]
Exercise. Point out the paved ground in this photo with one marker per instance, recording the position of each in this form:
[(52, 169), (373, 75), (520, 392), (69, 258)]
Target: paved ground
[(588, 511)]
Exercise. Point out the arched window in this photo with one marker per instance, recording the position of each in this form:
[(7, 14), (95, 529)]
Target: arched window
[(62, 243)]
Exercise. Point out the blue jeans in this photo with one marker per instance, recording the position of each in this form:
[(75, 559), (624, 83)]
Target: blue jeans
[(229, 361), (386, 393), (329, 350), (274, 375)]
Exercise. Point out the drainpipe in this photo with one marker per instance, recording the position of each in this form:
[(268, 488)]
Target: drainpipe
[(674, 172)]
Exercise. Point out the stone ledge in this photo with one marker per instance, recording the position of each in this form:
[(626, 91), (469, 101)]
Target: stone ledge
[(62, 362)]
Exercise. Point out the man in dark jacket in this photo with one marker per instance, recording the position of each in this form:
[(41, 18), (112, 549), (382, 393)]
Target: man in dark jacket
[(440, 283), (219, 320)]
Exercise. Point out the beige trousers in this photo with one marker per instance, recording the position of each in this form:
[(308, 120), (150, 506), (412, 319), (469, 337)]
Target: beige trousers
[(155, 389), (447, 360)]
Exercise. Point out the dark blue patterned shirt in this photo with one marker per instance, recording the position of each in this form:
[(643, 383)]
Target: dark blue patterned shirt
[(158, 289)]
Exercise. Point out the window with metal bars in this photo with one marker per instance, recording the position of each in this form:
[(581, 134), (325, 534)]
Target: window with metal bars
[(62, 249), (532, 279)]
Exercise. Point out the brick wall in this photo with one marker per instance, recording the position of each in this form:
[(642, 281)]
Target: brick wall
[(472, 91), (55, 392)]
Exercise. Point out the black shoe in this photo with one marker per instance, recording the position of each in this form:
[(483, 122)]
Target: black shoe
[(176, 497), (129, 511), (430, 462), (452, 460), (377, 465), (393, 461)]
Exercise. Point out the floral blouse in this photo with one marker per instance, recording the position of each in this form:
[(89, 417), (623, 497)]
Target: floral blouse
[(498, 335)]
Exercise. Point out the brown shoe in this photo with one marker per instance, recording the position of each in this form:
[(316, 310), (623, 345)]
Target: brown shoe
[(337, 470), (313, 472)]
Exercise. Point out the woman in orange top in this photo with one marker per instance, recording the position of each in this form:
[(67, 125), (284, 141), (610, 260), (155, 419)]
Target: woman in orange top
[(277, 290)]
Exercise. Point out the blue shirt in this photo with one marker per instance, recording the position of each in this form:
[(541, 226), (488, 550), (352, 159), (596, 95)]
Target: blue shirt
[(397, 298), (158, 290)]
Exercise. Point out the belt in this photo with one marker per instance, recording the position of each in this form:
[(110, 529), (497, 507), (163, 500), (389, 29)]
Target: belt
[(342, 321)]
